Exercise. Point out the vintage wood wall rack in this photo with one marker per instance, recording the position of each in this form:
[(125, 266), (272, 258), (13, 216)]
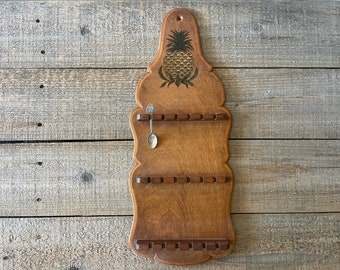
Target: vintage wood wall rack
[(181, 185)]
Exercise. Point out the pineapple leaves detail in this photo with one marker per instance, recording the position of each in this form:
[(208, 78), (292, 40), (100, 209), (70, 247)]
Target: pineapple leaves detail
[(178, 63), (179, 41), (160, 72), (177, 80)]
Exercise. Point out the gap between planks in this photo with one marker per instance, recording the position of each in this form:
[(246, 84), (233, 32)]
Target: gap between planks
[(96, 104), (270, 176), (118, 216), (254, 33)]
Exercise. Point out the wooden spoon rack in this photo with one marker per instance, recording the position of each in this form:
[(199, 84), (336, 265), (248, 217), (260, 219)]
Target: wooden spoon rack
[(181, 184)]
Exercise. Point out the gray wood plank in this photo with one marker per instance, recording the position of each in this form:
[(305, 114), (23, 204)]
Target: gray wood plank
[(96, 103), (91, 178), (125, 33), (290, 241)]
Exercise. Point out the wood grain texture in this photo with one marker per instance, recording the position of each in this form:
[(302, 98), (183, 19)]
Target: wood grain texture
[(194, 217), (91, 178), (123, 33), (96, 103), (289, 241), (107, 45)]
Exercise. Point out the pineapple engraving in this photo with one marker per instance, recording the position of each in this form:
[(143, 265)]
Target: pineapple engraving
[(178, 63)]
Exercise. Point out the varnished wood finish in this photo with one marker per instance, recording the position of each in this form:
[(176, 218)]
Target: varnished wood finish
[(184, 117), (181, 224)]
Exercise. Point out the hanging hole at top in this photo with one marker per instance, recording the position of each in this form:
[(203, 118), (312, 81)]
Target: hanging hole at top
[(37, 21), (179, 18)]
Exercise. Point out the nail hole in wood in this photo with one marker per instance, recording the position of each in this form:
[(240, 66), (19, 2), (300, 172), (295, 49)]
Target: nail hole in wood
[(41, 86), (84, 30), (258, 28), (179, 18), (38, 199), (39, 163), (42, 52), (37, 21), (87, 176), (39, 124), (5, 258)]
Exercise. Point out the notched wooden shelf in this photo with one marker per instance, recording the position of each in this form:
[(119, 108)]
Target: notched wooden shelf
[(183, 245), (183, 180), (183, 117)]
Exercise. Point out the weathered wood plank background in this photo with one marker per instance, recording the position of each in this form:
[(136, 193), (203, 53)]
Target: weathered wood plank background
[(68, 72)]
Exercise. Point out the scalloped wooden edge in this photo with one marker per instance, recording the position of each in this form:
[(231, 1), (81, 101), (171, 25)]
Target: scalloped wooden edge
[(208, 255)]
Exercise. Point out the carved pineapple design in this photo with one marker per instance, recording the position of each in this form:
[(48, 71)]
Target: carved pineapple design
[(178, 63)]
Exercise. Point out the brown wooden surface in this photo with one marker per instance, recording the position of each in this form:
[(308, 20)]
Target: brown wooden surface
[(279, 62), (181, 223)]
